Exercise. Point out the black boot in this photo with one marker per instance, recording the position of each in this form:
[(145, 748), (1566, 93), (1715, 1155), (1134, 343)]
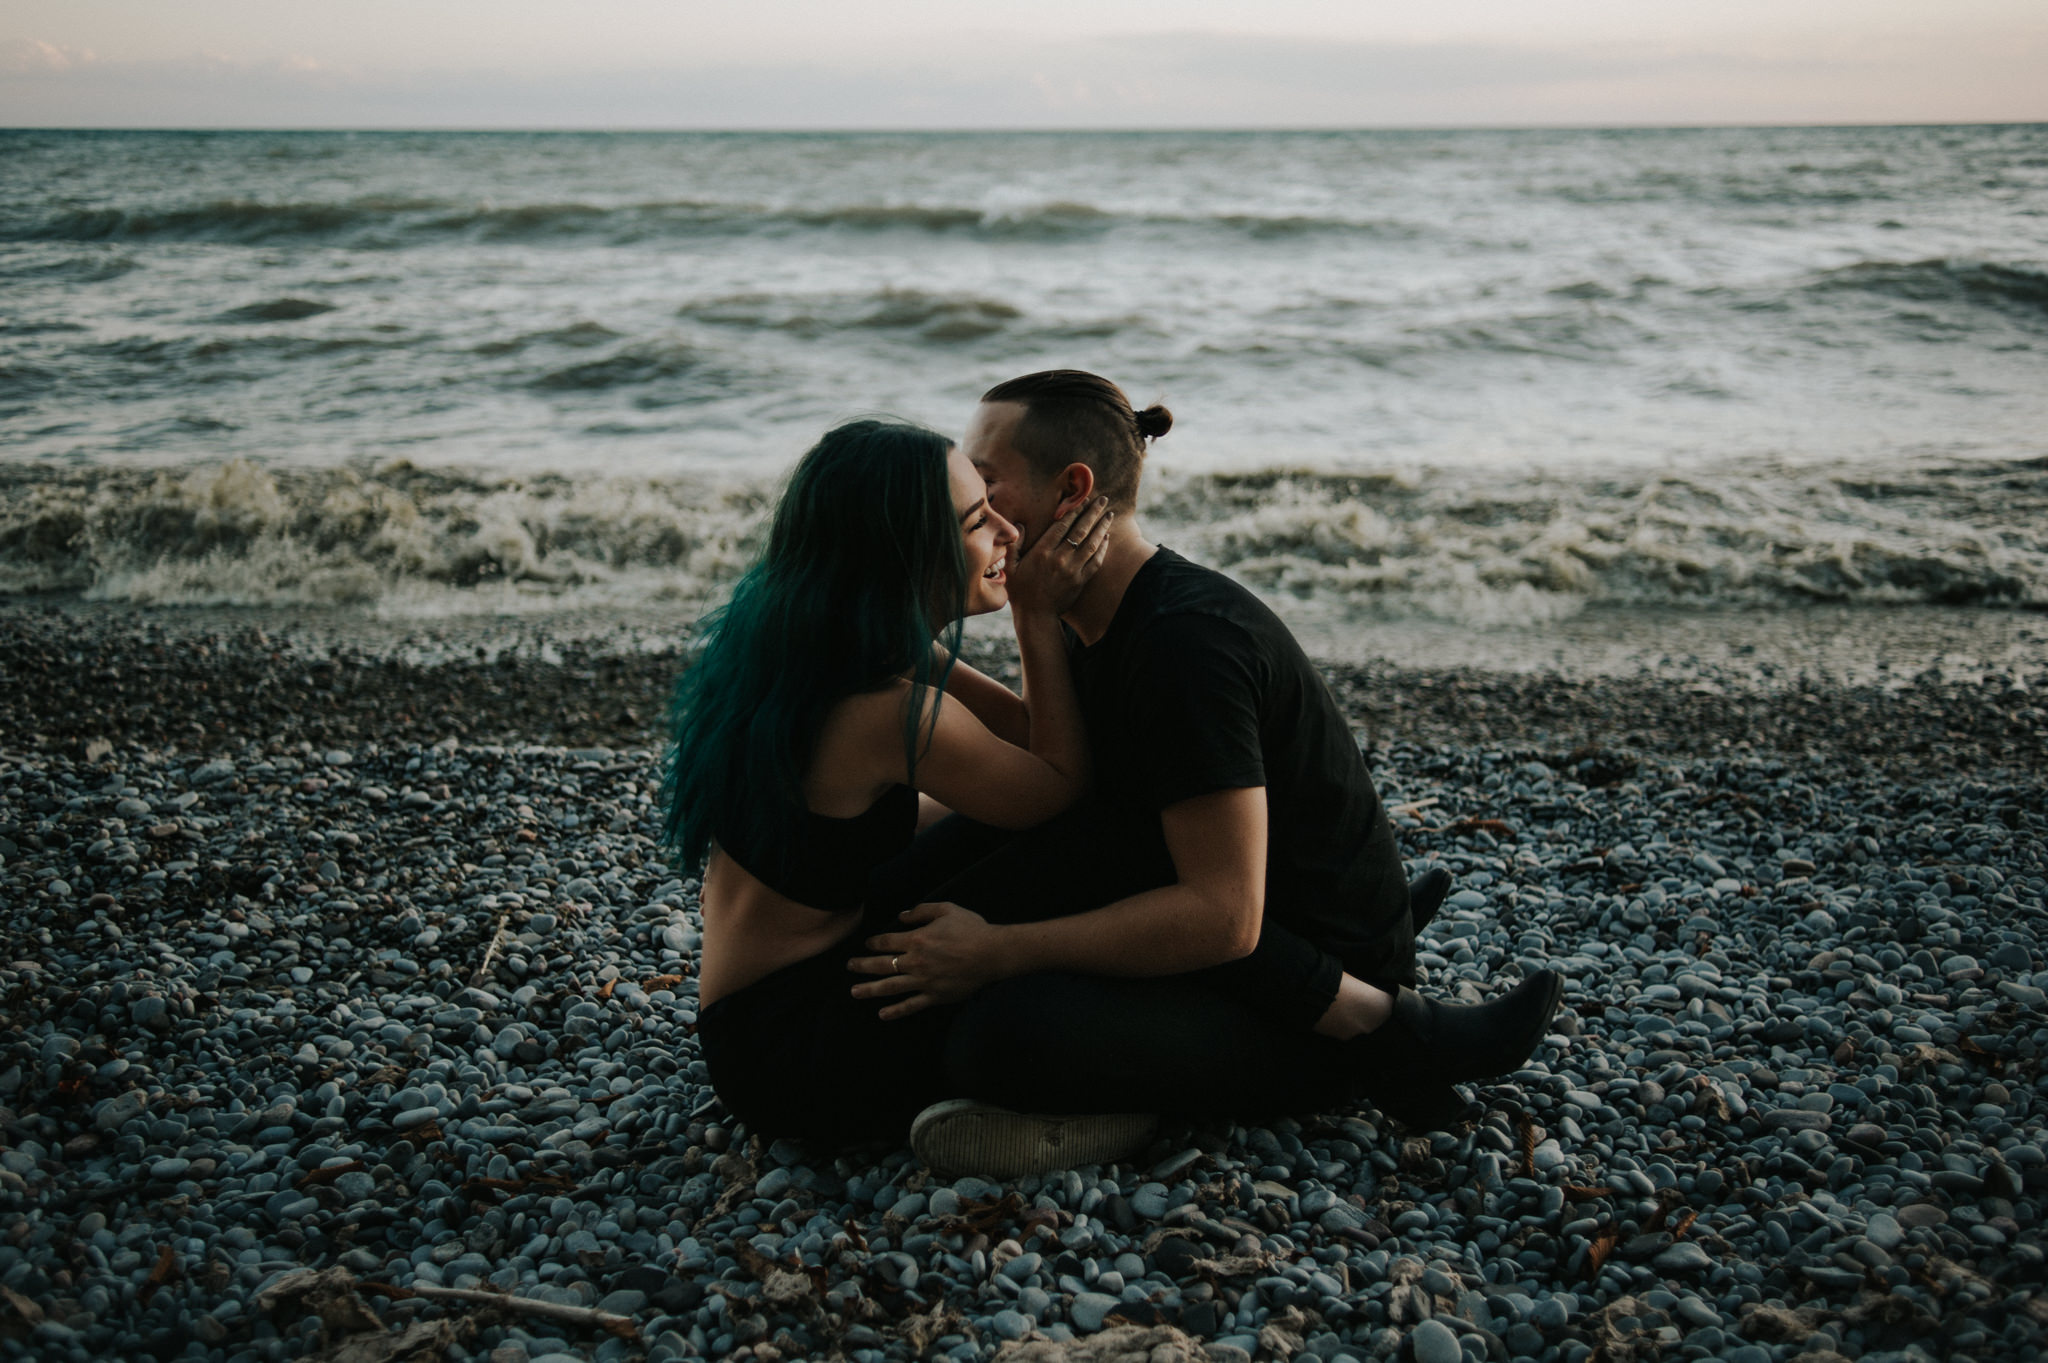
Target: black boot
[(1436, 1107), (1426, 895), (1409, 1062)]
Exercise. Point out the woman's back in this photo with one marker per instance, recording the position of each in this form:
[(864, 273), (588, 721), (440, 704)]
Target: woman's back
[(771, 904)]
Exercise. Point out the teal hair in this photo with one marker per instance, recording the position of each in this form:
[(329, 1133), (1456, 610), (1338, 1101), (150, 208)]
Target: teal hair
[(862, 574)]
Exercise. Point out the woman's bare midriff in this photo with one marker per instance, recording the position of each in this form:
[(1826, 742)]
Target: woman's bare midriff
[(750, 932)]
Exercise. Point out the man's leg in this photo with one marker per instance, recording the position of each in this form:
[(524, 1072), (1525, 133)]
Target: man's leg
[(1062, 1042), (1084, 859), (1288, 989)]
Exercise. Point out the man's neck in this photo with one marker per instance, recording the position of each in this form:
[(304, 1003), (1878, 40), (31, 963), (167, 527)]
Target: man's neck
[(1091, 614)]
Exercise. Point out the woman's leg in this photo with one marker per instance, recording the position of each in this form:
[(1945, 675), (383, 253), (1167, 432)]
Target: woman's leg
[(796, 1055)]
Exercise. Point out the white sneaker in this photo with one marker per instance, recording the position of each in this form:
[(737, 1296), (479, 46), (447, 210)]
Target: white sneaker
[(960, 1136)]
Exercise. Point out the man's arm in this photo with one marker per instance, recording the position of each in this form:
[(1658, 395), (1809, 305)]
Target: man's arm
[(1210, 914)]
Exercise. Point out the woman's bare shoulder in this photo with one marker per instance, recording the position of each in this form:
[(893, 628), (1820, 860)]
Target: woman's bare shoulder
[(860, 751), (877, 713)]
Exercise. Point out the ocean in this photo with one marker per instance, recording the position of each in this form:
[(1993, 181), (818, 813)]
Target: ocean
[(1480, 383)]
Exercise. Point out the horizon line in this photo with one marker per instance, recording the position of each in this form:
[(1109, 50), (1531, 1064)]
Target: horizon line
[(758, 130)]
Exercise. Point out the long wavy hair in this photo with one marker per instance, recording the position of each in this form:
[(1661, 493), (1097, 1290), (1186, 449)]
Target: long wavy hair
[(862, 574)]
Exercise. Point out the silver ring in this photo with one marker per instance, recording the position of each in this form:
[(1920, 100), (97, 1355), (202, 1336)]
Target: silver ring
[(896, 965), (1071, 544)]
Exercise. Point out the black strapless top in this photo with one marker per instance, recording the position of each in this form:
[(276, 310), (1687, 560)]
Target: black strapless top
[(829, 867)]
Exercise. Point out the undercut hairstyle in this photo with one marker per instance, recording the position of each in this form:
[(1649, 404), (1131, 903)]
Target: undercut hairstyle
[(862, 574), (1074, 417)]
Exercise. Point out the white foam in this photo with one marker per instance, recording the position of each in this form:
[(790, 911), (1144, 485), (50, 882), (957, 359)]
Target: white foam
[(1482, 550)]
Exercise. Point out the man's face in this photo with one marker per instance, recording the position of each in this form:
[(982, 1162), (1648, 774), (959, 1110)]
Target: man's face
[(1017, 494)]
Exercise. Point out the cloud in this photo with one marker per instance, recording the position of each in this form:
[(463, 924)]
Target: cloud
[(31, 56), (1182, 79)]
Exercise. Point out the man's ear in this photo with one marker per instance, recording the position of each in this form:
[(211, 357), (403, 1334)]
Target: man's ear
[(1077, 485)]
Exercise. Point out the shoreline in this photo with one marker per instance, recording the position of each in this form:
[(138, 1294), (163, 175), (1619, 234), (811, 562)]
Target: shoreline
[(364, 959), (1933, 692)]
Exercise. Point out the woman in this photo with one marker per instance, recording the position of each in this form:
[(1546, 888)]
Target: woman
[(825, 698)]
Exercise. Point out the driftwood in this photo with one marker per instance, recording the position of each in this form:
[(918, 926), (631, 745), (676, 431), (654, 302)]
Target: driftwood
[(333, 1295), (587, 1316), (483, 970)]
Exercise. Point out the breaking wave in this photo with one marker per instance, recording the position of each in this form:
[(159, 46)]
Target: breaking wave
[(1480, 549), (371, 223), (1983, 283), (1503, 550)]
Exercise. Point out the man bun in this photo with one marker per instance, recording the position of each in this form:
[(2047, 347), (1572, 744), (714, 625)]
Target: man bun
[(1072, 416)]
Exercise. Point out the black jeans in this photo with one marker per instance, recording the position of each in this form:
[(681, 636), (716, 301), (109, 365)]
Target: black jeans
[(795, 1054), (1235, 1038)]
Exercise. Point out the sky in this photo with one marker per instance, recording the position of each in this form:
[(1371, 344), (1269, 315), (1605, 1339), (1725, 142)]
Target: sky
[(1049, 64)]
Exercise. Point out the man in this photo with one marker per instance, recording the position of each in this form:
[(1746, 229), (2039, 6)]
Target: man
[(1226, 922)]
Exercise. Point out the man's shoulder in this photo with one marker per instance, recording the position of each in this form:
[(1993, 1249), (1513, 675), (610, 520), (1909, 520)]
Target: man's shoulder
[(1189, 600)]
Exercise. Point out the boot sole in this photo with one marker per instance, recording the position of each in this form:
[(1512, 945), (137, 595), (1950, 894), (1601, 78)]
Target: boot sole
[(1437, 1109), (1433, 885), (961, 1137)]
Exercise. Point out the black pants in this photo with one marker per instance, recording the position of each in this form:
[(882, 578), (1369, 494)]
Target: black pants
[(794, 1054), (1236, 1038)]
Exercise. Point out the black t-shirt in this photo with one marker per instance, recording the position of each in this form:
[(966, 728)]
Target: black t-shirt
[(1197, 687)]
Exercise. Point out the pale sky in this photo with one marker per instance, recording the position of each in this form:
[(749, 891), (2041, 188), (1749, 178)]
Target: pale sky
[(1046, 64)]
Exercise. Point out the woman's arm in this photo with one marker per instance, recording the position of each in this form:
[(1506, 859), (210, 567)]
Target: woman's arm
[(991, 702), (1043, 582), (970, 768)]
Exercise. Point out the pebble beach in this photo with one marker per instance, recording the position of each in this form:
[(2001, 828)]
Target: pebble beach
[(347, 1011)]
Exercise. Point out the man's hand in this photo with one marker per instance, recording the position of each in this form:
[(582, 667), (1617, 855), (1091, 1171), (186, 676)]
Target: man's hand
[(1050, 577), (952, 953)]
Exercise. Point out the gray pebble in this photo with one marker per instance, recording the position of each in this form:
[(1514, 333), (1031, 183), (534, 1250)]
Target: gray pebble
[(1088, 1310), (1683, 1257), (1434, 1342)]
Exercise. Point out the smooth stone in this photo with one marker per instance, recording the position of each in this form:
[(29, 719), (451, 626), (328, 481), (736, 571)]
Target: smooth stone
[(1683, 1257), (1833, 1279), (120, 1109), (1434, 1342), (1797, 1119), (1884, 1231), (1089, 1309)]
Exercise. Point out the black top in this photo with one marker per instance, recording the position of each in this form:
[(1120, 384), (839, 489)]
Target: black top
[(828, 868), (1197, 687)]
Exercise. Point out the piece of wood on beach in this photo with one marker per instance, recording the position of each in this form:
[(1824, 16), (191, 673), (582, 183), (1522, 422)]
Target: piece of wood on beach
[(587, 1316), (483, 969)]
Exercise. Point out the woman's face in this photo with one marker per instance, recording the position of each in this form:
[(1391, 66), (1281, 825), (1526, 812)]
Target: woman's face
[(985, 537)]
